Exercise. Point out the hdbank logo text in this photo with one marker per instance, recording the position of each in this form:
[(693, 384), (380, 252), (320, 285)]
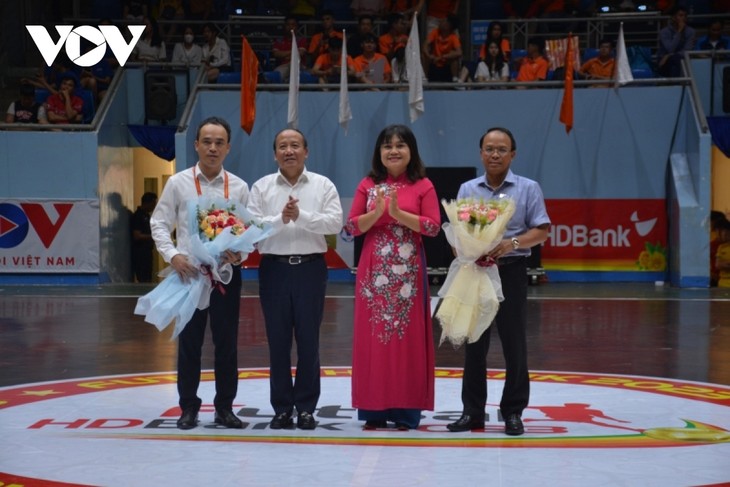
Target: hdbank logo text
[(70, 37)]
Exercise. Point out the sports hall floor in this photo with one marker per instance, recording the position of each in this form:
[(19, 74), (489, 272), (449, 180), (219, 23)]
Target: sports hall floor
[(631, 386)]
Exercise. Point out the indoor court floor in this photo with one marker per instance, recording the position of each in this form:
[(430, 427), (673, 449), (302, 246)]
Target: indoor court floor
[(630, 385)]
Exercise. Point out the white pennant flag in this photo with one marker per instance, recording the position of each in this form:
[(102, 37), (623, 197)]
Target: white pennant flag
[(622, 69), (414, 70), (292, 119), (345, 111)]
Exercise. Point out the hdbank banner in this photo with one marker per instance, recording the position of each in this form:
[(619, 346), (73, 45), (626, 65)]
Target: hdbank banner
[(606, 235), (49, 236)]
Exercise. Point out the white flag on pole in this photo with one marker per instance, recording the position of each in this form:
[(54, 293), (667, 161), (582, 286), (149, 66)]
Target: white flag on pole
[(623, 69), (345, 110), (414, 69), (292, 119)]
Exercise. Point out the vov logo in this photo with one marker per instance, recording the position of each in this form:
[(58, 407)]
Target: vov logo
[(71, 36)]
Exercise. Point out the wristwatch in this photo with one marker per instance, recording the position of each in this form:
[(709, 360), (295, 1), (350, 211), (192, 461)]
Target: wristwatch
[(515, 243)]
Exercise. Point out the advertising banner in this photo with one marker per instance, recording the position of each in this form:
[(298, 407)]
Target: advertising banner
[(606, 235), (48, 236)]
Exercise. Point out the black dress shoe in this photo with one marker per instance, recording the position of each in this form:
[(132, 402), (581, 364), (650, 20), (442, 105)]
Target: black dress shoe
[(281, 421), (227, 419), (305, 421), (466, 423), (513, 425), (188, 419)]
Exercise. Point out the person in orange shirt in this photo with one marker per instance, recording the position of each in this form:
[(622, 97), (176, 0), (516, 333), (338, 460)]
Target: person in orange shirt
[(371, 67), (601, 66), (439, 10), (320, 41), (534, 66), (328, 66), (395, 37), (443, 52), (405, 7), (495, 32)]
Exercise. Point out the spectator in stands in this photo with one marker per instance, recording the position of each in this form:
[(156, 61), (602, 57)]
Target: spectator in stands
[(319, 44), (516, 9), (25, 109), (551, 9), (398, 67), (135, 9), (187, 52), (494, 67), (405, 7), (395, 37), (150, 47), (172, 13), (439, 10), (443, 51), (602, 66), (354, 42), (495, 32), (674, 39), (281, 50), (371, 67), (534, 66), (367, 7), (714, 40), (64, 106), (216, 53), (199, 9), (304, 9), (97, 78), (328, 66)]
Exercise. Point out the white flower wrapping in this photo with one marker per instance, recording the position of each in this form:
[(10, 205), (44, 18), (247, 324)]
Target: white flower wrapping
[(471, 294), (174, 300)]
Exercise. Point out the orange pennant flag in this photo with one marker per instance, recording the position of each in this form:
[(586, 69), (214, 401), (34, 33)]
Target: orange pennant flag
[(566, 107), (249, 78)]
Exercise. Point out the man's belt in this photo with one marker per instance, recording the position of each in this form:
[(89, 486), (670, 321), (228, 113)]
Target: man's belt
[(293, 259)]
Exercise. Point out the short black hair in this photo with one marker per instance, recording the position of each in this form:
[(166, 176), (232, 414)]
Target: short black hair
[(284, 130), (414, 171), (504, 131), (149, 197), (214, 121)]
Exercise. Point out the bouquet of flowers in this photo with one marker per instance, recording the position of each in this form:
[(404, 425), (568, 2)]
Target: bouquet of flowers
[(220, 226), (471, 293)]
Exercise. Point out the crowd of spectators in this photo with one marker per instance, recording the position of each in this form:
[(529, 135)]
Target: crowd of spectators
[(56, 95)]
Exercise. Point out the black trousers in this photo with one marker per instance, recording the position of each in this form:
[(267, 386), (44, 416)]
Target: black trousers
[(511, 324), (223, 312), (292, 299)]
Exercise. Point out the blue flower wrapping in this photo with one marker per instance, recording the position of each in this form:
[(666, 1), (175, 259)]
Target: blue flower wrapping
[(174, 300)]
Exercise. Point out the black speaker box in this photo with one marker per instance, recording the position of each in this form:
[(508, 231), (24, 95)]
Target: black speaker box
[(726, 89), (160, 96), (446, 182)]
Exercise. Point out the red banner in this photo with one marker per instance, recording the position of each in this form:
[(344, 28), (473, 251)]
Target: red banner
[(606, 235)]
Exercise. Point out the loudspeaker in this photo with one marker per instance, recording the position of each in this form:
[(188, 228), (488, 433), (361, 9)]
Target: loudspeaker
[(446, 181), (726, 89), (160, 96)]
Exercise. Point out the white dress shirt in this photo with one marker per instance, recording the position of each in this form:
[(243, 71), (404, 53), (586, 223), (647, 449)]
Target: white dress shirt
[(320, 213), (171, 212)]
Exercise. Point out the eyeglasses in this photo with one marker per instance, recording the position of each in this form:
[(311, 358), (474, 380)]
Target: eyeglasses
[(502, 151)]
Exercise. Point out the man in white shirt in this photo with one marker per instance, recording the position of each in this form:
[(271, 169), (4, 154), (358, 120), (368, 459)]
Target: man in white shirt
[(302, 207), (206, 178)]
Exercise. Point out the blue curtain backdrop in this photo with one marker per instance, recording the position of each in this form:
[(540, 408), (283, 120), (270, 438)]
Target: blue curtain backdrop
[(160, 139)]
